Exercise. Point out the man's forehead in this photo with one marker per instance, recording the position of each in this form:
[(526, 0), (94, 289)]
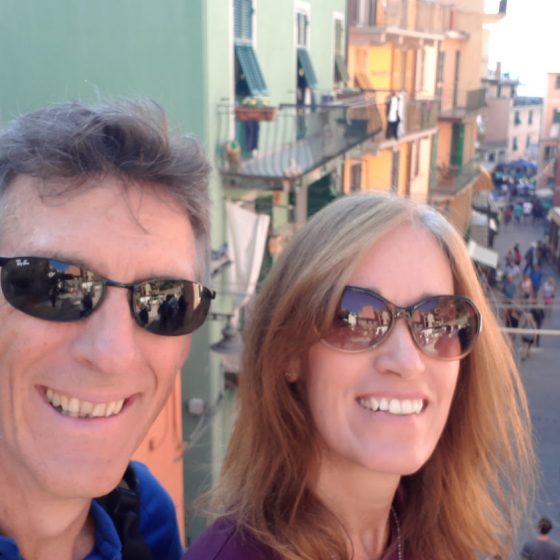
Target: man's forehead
[(85, 220)]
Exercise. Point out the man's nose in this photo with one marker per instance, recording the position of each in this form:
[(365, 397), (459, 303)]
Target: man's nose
[(108, 339)]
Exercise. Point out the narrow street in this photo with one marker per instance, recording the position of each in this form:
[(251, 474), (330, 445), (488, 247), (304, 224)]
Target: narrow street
[(541, 374)]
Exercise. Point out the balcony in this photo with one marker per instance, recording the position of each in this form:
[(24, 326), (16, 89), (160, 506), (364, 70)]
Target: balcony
[(457, 105), (453, 179), (379, 22), (420, 117), (273, 155)]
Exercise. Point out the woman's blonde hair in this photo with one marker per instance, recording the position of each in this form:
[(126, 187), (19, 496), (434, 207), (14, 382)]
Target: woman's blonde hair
[(466, 500)]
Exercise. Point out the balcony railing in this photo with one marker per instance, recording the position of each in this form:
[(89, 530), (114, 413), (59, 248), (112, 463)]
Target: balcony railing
[(425, 16), (452, 179), (458, 103), (298, 140), (419, 115)]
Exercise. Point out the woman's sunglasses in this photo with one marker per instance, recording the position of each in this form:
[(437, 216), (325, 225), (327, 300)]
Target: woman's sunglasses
[(59, 291), (442, 327)]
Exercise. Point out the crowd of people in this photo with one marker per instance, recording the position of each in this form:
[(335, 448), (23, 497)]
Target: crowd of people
[(529, 294)]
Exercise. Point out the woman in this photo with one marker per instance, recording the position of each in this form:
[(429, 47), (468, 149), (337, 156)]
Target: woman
[(362, 436)]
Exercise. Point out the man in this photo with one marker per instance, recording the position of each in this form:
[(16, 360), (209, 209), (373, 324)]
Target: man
[(102, 201), (543, 547)]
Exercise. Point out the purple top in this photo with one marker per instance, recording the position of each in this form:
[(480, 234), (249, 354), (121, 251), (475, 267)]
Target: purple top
[(221, 541)]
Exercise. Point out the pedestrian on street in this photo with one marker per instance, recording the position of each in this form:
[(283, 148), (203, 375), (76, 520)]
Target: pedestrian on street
[(536, 280), (527, 211), (538, 315), (527, 339), (549, 293), (517, 212), (530, 258), (543, 547), (517, 254)]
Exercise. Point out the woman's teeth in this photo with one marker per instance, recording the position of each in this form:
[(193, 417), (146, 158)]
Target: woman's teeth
[(72, 406), (393, 406)]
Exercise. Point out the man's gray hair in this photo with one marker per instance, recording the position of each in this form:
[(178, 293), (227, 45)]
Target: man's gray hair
[(73, 143)]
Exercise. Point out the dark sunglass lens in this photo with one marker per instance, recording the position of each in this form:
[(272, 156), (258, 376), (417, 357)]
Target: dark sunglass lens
[(361, 322), (50, 289), (446, 327), (170, 307)]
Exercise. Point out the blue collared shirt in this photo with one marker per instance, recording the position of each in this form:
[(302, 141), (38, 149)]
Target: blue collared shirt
[(158, 525)]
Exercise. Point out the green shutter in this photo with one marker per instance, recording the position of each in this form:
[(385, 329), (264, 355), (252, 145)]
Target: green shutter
[(305, 62), (251, 70), (243, 20), (457, 145)]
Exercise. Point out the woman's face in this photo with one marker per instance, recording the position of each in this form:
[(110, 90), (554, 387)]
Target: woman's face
[(404, 266)]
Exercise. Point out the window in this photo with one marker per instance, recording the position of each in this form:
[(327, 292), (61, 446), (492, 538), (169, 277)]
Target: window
[(302, 29), (356, 177), (557, 81), (528, 142), (370, 12), (249, 79), (340, 71), (517, 119), (556, 116), (530, 120), (514, 145), (492, 157)]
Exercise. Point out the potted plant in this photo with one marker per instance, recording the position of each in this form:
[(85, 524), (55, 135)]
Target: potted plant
[(232, 151), (254, 109)]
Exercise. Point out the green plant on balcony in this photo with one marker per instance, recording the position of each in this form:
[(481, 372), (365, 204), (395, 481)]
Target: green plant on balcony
[(255, 109), (232, 151)]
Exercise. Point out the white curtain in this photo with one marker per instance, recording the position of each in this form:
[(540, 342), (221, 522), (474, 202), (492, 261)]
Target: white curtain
[(247, 235)]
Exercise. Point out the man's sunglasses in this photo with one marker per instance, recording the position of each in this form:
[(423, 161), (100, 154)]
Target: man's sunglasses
[(442, 327), (59, 291)]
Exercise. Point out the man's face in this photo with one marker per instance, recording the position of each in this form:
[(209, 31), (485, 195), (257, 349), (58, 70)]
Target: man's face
[(104, 358)]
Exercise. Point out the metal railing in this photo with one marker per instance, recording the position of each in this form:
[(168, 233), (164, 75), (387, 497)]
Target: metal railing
[(460, 102), (424, 16), (452, 179), (476, 99), (419, 115), (298, 140)]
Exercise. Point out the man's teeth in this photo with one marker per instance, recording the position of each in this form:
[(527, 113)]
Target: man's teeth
[(72, 406), (393, 406)]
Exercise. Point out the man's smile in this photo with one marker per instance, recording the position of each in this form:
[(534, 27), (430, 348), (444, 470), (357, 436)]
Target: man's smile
[(73, 406)]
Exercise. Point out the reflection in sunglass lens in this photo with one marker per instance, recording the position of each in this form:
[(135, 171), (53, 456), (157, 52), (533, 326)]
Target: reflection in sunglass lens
[(50, 289), (63, 292), (170, 307), (443, 327)]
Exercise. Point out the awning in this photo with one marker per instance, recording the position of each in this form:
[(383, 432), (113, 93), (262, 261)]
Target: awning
[(484, 181), (545, 192), (482, 255)]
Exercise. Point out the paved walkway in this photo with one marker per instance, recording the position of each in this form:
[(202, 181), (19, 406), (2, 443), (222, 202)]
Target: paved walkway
[(541, 373)]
